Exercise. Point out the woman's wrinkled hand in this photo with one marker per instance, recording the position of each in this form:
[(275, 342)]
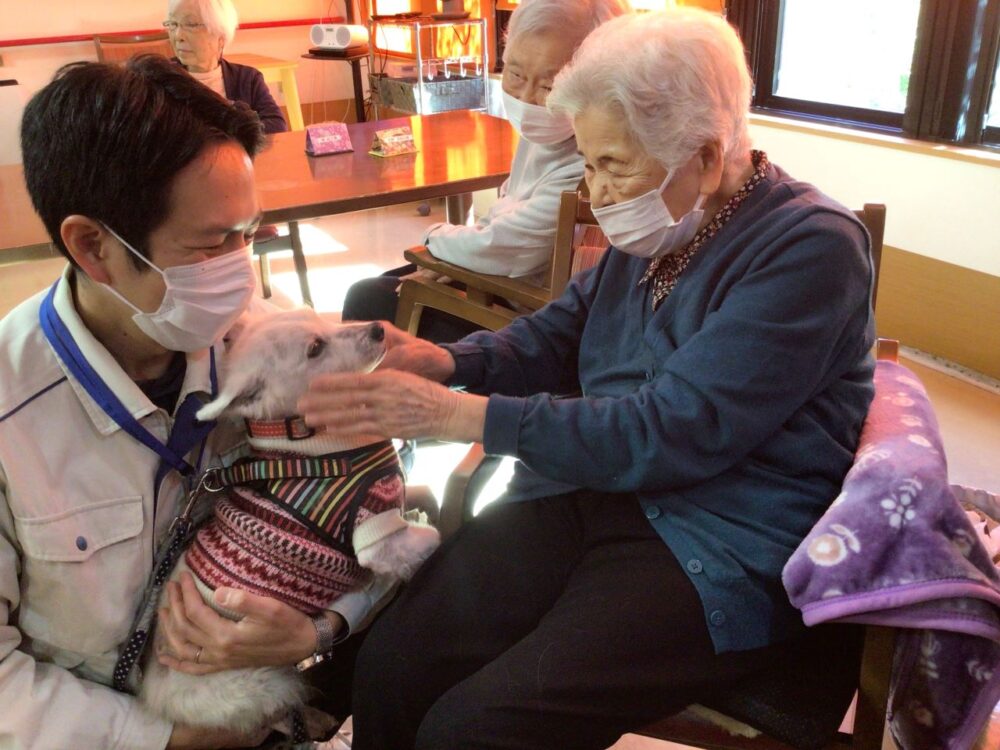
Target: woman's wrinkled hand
[(392, 404), (410, 354), (193, 638)]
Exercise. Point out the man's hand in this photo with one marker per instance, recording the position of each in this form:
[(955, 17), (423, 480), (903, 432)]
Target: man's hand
[(197, 640)]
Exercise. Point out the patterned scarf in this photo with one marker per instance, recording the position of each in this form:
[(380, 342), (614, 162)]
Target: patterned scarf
[(665, 270)]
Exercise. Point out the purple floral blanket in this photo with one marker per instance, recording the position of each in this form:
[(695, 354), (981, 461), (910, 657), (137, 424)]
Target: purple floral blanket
[(896, 548)]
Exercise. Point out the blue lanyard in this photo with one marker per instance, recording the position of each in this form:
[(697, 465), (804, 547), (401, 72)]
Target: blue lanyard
[(66, 348)]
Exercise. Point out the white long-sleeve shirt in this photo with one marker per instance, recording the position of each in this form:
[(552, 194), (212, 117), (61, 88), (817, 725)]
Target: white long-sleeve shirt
[(78, 529), (515, 238)]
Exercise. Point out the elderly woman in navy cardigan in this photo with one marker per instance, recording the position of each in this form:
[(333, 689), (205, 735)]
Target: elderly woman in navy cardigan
[(682, 416), (199, 31)]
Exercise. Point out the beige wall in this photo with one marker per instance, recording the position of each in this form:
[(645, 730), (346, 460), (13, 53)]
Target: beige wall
[(940, 203), (33, 66), (939, 289)]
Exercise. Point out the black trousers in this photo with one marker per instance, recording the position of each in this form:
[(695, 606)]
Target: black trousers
[(376, 299), (558, 623)]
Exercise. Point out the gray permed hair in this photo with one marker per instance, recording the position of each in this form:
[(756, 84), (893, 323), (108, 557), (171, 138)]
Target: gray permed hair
[(571, 18), (678, 76)]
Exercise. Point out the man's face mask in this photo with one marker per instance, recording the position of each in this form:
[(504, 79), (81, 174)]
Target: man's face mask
[(201, 301)]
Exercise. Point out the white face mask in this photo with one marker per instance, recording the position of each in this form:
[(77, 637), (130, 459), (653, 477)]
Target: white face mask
[(202, 300), (644, 227), (535, 123)]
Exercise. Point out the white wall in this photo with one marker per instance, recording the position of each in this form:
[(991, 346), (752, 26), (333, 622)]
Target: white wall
[(33, 66), (943, 207)]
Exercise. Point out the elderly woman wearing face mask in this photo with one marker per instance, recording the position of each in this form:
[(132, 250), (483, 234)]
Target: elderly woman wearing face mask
[(683, 415), (515, 238), (199, 31)]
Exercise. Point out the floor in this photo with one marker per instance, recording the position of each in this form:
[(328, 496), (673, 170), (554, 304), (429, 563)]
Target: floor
[(343, 249)]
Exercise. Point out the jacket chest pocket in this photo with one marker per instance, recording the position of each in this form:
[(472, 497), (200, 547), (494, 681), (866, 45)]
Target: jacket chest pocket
[(83, 571)]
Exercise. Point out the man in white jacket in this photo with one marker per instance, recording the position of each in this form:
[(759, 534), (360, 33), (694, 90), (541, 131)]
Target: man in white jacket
[(516, 236), (144, 180)]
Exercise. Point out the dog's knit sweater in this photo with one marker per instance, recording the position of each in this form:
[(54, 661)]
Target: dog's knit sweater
[(292, 537)]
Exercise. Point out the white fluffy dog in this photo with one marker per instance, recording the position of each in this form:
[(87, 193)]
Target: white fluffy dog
[(305, 535)]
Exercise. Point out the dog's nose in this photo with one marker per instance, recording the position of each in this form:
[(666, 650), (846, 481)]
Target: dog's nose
[(377, 332)]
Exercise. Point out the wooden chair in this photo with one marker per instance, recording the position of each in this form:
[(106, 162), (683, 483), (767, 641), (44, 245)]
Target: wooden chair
[(117, 48), (267, 241), (493, 301)]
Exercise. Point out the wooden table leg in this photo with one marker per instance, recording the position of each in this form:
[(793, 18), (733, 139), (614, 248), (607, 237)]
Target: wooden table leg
[(299, 259), (359, 94), (291, 91), (457, 208)]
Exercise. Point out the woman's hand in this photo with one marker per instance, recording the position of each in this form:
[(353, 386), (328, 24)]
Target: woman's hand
[(392, 404), (197, 640), (184, 737), (408, 353)]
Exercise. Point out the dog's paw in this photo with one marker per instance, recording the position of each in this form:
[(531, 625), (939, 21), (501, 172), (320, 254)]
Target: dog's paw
[(400, 554)]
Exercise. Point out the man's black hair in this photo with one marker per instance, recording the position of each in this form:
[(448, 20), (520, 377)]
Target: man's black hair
[(107, 141)]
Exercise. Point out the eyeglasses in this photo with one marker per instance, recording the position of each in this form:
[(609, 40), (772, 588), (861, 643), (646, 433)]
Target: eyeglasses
[(191, 28)]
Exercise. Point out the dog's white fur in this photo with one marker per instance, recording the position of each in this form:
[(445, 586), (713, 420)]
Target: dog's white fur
[(270, 362)]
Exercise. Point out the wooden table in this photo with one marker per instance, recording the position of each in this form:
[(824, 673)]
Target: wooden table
[(459, 152), (277, 71)]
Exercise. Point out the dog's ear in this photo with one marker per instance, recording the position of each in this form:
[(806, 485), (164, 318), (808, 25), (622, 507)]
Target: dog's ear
[(236, 329), (239, 392)]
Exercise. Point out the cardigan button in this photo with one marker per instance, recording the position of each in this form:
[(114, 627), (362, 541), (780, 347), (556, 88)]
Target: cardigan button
[(694, 565), (653, 512), (717, 618), (81, 543)]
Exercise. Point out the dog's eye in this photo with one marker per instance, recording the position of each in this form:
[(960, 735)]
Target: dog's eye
[(316, 348)]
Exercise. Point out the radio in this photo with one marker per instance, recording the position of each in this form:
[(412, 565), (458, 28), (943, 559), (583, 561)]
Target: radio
[(338, 35)]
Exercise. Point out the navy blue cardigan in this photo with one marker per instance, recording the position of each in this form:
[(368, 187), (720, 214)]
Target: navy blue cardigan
[(245, 84), (731, 413)]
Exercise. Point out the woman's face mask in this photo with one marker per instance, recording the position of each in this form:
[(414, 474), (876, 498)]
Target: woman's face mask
[(644, 227), (536, 123), (201, 301)]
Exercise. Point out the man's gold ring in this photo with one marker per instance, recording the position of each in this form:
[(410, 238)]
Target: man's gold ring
[(197, 656)]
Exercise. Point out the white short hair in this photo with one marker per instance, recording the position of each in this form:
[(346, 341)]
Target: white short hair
[(679, 77), (572, 19), (219, 16)]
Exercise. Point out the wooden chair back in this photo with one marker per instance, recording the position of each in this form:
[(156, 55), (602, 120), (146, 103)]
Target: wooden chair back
[(117, 48), (873, 217), (494, 301)]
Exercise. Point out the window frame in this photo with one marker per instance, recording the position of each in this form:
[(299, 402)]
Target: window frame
[(944, 103)]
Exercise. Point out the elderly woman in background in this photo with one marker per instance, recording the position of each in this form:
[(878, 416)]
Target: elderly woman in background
[(199, 31), (515, 238), (683, 415)]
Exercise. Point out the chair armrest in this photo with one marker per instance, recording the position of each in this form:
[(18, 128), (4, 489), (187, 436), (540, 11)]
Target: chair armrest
[(887, 349), (512, 290), (463, 487)]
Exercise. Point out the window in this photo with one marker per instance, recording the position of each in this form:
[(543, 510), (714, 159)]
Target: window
[(919, 68), (875, 73), (992, 132)]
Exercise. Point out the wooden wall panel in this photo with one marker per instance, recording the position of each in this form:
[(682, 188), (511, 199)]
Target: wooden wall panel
[(940, 308)]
